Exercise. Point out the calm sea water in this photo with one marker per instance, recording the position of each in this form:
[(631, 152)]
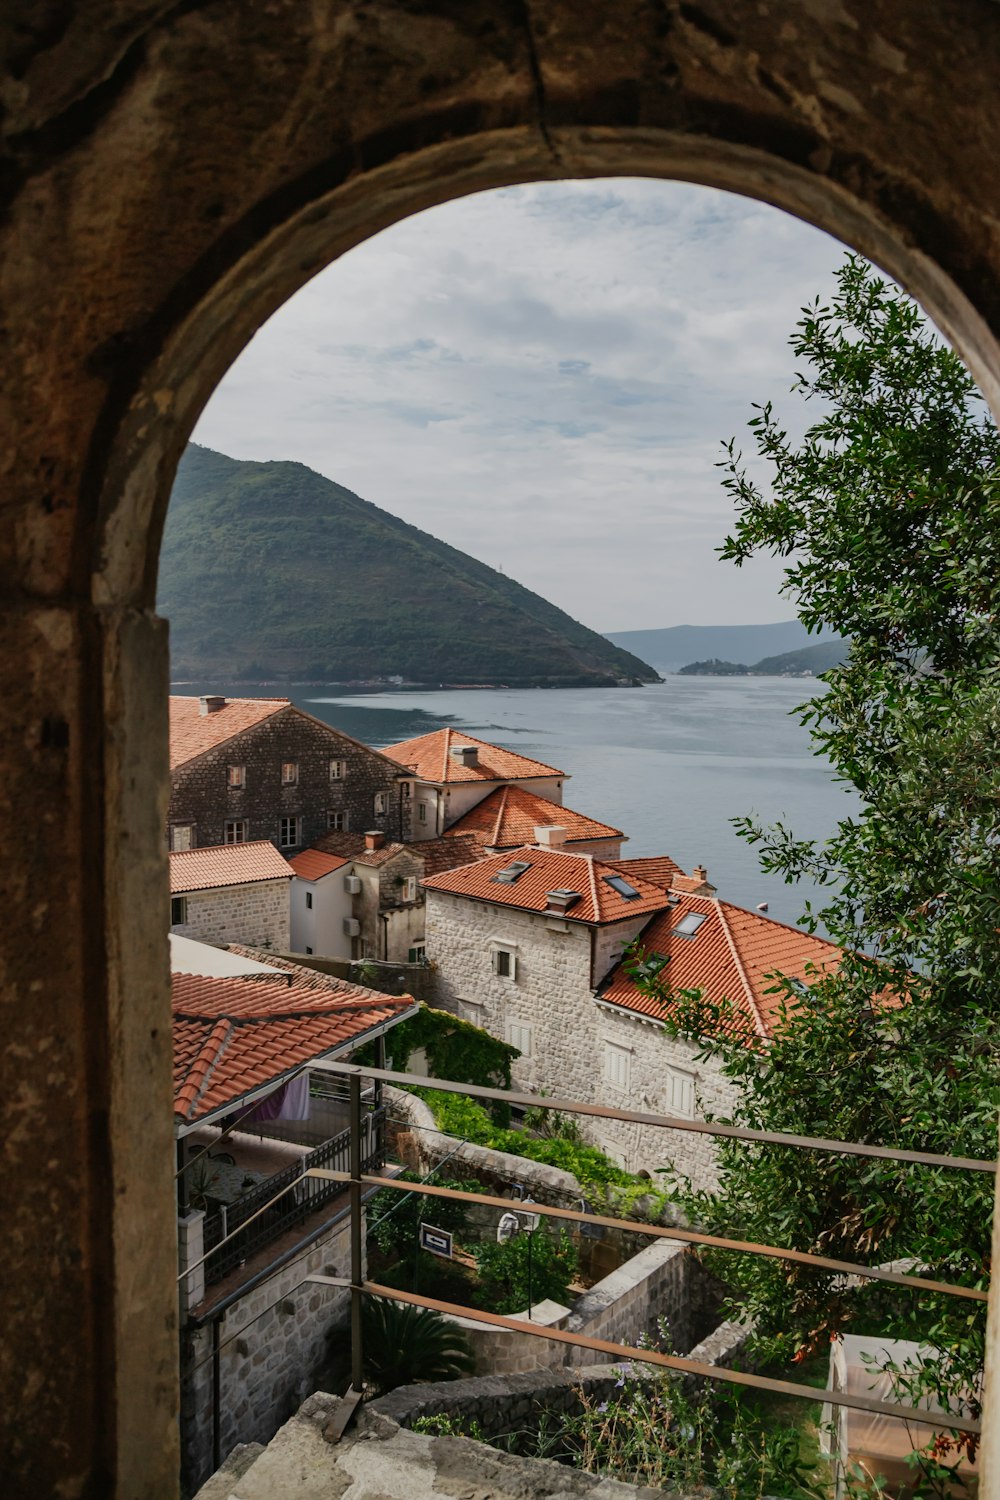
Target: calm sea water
[(670, 764)]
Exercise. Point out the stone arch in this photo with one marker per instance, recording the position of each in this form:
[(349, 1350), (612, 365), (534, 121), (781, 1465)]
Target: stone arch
[(171, 174)]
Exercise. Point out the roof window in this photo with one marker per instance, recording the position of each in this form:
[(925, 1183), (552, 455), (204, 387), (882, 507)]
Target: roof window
[(619, 884), (512, 872), (689, 924)]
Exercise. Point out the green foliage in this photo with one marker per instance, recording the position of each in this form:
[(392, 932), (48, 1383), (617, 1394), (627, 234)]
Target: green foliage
[(394, 1218), (455, 1049), (504, 1270), (605, 1184), (272, 566), (888, 513), (404, 1344), (443, 1425)]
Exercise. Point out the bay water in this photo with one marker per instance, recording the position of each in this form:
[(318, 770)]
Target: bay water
[(670, 764)]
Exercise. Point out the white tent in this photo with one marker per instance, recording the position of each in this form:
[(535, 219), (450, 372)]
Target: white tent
[(879, 1445)]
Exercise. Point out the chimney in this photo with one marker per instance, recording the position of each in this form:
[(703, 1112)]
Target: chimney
[(705, 886), (210, 705), (374, 839), (550, 836), (560, 901), (466, 755), (700, 873)]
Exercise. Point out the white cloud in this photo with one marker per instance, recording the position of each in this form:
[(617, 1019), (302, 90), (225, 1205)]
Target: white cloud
[(542, 376)]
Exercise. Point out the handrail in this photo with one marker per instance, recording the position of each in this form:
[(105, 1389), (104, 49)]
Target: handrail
[(669, 1122)]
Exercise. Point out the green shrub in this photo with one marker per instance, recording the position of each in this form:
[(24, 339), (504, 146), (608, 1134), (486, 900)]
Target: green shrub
[(503, 1270)]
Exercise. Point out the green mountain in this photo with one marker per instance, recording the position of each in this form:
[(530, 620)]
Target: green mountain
[(810, 661), (270, 571)]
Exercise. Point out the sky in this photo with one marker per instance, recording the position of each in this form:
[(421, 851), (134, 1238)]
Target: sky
[(542, 376)]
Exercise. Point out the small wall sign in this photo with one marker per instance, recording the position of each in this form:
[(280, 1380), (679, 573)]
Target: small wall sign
[(437, 1241)]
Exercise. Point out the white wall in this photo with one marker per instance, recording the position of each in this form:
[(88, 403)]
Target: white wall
[(570, 1031), (460, 796), (321, 930)]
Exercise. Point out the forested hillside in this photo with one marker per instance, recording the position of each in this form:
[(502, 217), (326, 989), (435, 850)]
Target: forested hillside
[(271, 571)]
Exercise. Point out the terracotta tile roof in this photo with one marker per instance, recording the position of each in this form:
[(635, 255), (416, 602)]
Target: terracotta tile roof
[(429, 757), (232, 1036), (733, 955), (192, 733), (313, 864), (351, 846), (659, 869), (449, 852), (550, 870), (226, 864), (509, 816)]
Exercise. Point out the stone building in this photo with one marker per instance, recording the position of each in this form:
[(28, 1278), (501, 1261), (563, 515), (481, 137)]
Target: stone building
[(453, 771), (260, 768), (231, 893), (361, 896), (249, 1120), (511, 816), (531, 948)]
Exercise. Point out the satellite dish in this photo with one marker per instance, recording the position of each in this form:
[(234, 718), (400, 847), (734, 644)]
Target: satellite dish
[(508, 1226)]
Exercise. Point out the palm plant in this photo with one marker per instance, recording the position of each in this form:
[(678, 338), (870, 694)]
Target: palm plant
[(404, 1344)]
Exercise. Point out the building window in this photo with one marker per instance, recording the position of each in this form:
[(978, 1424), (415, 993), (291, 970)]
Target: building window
[(417, 954), (407, 788), (336, 822), (237, 776), (236, 831), (410, 888), (178, 911), (288, 832), (680, 1092), (617, 1066), (379, 803), (181, 836), (308, 950), (422, 812), (519, 1036), (504, 963), (338, 770), (289, 772), (309, 900)]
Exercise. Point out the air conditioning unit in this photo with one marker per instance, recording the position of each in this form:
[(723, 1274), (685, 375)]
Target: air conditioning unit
[(352, 885), (352, 927)]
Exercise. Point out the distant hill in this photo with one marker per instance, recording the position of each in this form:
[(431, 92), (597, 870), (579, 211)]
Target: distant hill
[(809, 662), (671, 648), (269, 571)]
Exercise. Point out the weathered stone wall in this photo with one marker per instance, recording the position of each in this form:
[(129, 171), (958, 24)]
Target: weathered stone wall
[(201, 795), (648, 1148), (550, 991), (258, 915), (276, 1346)]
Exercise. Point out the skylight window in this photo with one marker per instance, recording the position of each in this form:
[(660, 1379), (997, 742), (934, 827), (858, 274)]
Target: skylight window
[(512, 872), (623, 888), (689, 924)]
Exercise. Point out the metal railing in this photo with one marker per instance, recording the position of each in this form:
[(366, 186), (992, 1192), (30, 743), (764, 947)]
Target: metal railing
[(357, 1182), (238, 1230)]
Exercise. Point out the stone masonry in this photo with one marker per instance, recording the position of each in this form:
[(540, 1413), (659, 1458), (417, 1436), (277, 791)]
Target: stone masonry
[(552, 994), (200, 794), (276, 1344), (256, 914)]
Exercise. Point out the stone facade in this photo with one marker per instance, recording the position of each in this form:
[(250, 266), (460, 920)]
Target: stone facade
[(202, 799), (256, 914), (572, 1045), (276, 1344)]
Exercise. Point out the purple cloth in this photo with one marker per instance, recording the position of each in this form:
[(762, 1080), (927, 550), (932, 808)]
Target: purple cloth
[(290, 1102)]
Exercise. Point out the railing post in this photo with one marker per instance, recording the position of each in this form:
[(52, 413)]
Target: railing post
[(357, 1267)]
